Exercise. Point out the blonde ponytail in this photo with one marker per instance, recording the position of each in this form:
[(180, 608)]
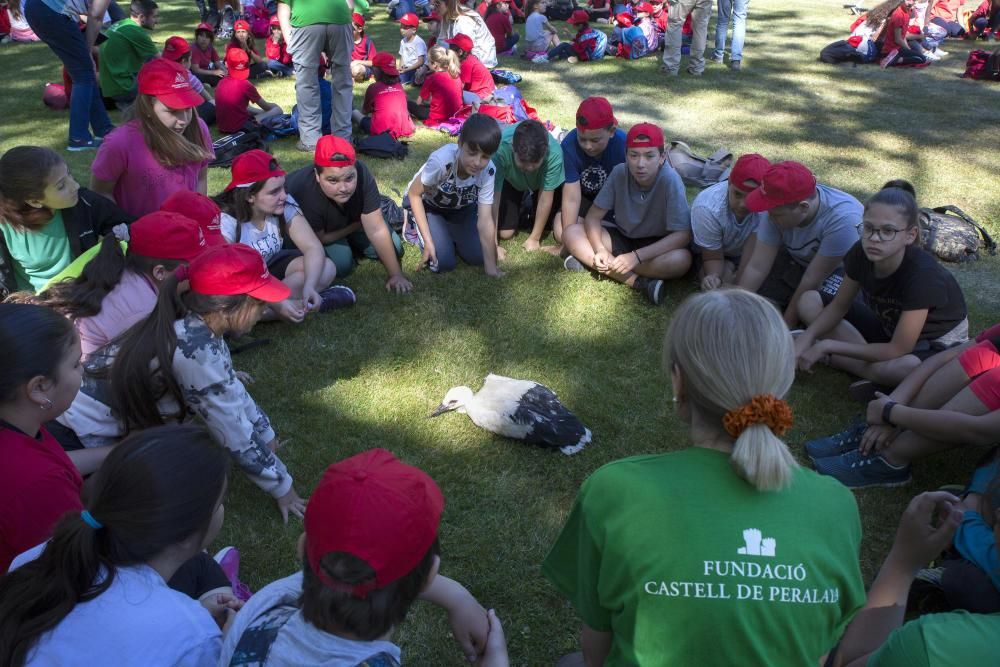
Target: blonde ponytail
[(446, 59)]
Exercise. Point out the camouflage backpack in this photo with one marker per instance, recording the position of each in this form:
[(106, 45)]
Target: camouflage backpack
[(952, 235)]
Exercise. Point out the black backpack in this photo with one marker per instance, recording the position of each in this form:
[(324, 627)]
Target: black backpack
[(952, 235), (228, 147), (840, 52), (382, 144)]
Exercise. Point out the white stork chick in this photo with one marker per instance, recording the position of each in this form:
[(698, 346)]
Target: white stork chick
[(519, 409)]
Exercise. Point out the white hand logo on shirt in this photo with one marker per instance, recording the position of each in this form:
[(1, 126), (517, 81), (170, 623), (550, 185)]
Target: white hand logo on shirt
[(754, 545)]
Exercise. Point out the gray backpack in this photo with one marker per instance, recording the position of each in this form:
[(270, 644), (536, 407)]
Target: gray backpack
[(697, 171), (952, 235)]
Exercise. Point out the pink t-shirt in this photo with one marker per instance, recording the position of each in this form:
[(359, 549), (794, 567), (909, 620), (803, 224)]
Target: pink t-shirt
[(141, 182), (130, 302)]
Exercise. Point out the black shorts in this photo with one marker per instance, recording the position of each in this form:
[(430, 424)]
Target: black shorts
[(279, 263), (517, 209), (784, 277), (621, 244), (198, 575)]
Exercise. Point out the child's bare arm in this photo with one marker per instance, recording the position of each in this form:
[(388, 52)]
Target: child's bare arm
[(469, 622)]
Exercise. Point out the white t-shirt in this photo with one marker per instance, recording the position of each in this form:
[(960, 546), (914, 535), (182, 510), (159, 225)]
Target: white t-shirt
[(833, 231), (267, 241), (535, 36), (715, 227), (137, 621), (410, 52), (444, 190)]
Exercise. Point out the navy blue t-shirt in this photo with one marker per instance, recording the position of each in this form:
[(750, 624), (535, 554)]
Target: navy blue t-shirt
[(590, 172)]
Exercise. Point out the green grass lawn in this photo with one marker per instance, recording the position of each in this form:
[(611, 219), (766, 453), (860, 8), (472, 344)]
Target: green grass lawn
[(368, 377)]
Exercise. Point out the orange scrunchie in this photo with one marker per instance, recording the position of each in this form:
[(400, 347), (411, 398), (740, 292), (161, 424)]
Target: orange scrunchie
[(762, 409)]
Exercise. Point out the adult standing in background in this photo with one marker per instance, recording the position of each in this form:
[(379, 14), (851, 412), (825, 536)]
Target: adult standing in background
[(701, 12), (57, 23), (731, 12), (311, 28), (457, 18)]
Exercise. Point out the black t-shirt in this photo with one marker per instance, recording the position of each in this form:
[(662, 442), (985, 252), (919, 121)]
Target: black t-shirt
[(324, 214), (919, 283)]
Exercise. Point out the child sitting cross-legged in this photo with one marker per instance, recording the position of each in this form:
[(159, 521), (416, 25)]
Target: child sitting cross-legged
[(648, 241), (412, 49), (369, 551), (442, 87), (587, 44), (234, 94), (477, 82), (385, 101)]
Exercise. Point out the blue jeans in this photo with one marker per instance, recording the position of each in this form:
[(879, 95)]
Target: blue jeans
[(735, 12), (562, 50), (458, 231), (509, 42), (279, 67), (63, 36), (406, 77)]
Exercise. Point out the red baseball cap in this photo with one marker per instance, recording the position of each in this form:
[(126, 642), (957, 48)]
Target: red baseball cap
[(783, 183), (234, 268), (330, 145), (176, 48), (749, 167), (166, 235), (385, 62), (358, 20), (238, 63), (409, 19), (241, 25), (644, 7), (624, 20), (274, 22), (644, 135), (253, 167), (199, 208), (462, 41), (375, 508), (433, 16), (206, 28), (595, 113), (578, 16), (168, 82)]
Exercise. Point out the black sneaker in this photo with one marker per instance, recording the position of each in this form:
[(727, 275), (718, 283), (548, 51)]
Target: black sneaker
[(652, 288), (863, 391), (571, 263), (337, 296)]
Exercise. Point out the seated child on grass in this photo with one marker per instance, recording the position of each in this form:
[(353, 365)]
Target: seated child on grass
[(501, 25), (384, 107), (896, 305), (899, 46), (234, 94), (341, 201), (722, 227), (412, 49), (529, 160), (244, 40), (178, 49), (369, 551), (645, 21), (648, 241), (477, 82), (540, 37), (451, 200), (205, 61), (279, 60), (442, 87), (127, 47), (362, 52), (588, 44)]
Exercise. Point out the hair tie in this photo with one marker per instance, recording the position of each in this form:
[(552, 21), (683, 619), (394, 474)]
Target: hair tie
[(89, 519), (762, 409)]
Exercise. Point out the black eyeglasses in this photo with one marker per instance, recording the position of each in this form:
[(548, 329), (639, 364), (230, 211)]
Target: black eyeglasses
[(883, 233)]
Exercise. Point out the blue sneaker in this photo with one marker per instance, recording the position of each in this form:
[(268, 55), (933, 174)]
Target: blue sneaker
[(857, 472), (335, 297), (837, 444)]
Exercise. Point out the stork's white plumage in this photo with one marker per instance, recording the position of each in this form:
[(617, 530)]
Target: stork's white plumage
[(519, 409)]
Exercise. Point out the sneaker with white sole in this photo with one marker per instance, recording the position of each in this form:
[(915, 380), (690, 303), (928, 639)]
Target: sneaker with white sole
[(337, 296), (652, 288), (228, 559), (856, 471), (847, 440), (540, 58)]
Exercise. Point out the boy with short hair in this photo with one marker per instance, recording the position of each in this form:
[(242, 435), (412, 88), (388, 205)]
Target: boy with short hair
[(362, 52), (802, 242), (234, 95), (369, 551), (648, 241), (588, 44), (529, 160), (126, 50), (339, 198), (412, 49), (590, 152), (205, 61), (722, 227)]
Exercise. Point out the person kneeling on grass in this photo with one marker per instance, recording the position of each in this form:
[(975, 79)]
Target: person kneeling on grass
[(951, 400), (722, 227), (369, 551), (257, 212), (910, 307), (451, 200), (648, 241), (339, 198)]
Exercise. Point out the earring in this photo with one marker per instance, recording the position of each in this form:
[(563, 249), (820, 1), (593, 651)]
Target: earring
[(48, 404), (674, 399)]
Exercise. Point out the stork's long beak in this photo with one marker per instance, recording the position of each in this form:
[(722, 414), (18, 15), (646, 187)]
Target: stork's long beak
[(441, 409)]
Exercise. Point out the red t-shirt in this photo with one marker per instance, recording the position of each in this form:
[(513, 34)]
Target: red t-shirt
[(445, 94), (38, 484), (232, 97), (277, 52), (387, 106), (900, 18), (476, 78), (363, 50), (946, 10), (500, 27), (203, 59)]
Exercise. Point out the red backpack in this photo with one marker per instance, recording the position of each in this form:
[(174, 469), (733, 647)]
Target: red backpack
[(983, 65)]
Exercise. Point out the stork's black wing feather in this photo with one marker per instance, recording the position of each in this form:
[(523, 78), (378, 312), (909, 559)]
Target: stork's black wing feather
[(552, 425)]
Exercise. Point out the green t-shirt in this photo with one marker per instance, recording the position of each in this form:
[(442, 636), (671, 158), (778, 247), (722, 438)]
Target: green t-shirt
[(549, 176), (124, 53), (38, 255), (311, 12), (686, 563), (942, 640)]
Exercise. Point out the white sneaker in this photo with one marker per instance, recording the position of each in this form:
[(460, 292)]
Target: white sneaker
[(930, 55), (940, 52), (540, 58)]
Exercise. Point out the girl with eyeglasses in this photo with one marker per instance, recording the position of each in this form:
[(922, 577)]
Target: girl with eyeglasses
[(896, 305)]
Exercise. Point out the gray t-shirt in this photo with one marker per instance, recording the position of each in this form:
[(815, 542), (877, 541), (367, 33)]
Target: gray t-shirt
[(270, 631), (644, 213), (715, 227), (831, 234)]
